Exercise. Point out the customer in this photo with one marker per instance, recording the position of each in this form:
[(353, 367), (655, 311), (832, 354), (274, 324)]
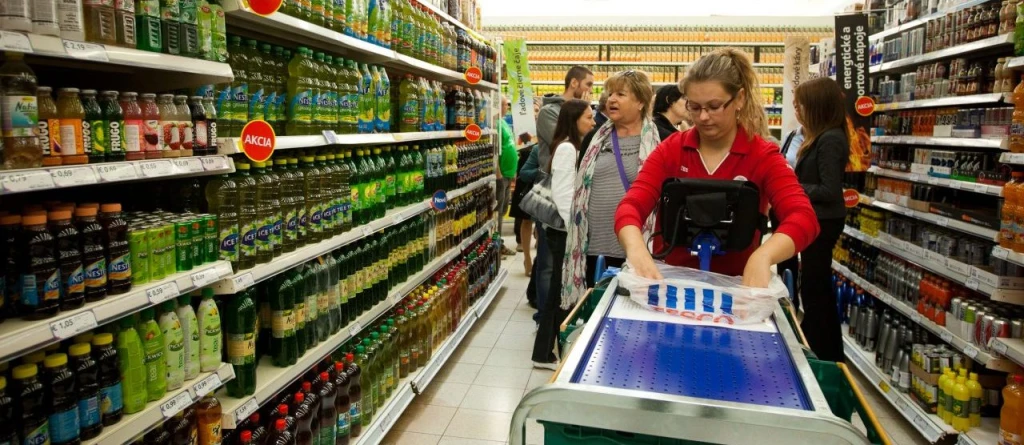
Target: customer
[(726, 143), (523, 223), (507, 172), (821, 162), (669, 110), (574, 120), (609, 166)]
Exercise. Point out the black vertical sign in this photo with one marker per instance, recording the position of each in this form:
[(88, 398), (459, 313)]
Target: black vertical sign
[(852, 76)]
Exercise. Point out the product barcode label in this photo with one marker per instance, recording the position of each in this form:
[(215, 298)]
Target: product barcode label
[(915, 317), (153, 169), (330, 137), (933, 181), (86, 51), (15, 41), (901, 404), (73, 176), (385, 423), (946, 336), (207, 385), (204, 277), (214, 163), (972, 283), (188, 165), (116, 172), (27, 181), (71, 326), (243, 412), (162, 292), (397, 218), (942, 221), (243, 281), (356, 327), (176, 404), (971, 351)]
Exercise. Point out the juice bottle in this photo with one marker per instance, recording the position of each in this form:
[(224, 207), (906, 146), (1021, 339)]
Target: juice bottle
[(153, 346), (94, 138), (186, 132), (188, 28), (1011, 420), (69, 259), (31, 408), (381, 100), (40, 276), (282, 305), (265, 218), (87, 383), (297, 186), (115, 237), (974, 388), (237, 106), (133, 129), (367, 100), (319, 90), (270, 91), (240, 338), (247, 222), (174, 345), (48, 128), (100, 23), (113, 119), (311, 312), (211, 125), (149, 35), (334, 293), (348, 98), (1017, 121), (311, 192), (210, 331), (62, 400), (132, 364), (190, 331), (152, 133), (408, 98), (208, 413), (289, 217), (330, 104), (200, 140), (1013, 192), (111, 396), (170, 133), (222, 198), (71, 115), (300, 110)]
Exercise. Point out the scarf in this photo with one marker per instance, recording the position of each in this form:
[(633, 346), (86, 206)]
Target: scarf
[(574, 270)]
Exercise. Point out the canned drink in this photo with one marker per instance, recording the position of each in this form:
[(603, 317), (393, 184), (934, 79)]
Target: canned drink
[(138, 246), (169, 247), (955, 308), (1016, 328), (197, 247), (985, 334), (1000, 328), (976, 330), (210, 236), (182, 245), (154, 237)]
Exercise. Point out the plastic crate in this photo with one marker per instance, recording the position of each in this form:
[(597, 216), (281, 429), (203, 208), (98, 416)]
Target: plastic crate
[(843, 399), (562, 434)]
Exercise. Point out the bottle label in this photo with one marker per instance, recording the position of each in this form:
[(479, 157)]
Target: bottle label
[(256, 100), (202, 133), (76, 281), (355, 413), (282, 323), (71, 137), (344, 426), (96, 273), (323, 303), (116, 139), (210, 433), (241, 348), (315, 220), (959, 408), (248, 240), (229, 243), (89, 411), (276, 231), (51, 288), (301, 107), (100, 140), (29, 291), (152, 136), (303, 224), (133, 135), (20, 115), (975, 406), (171, 136), (64, 426), (188, 135), (39, 436), (300, 315), (328, 433), (292, 225), (111, 399), (120, 268), (263, 237)]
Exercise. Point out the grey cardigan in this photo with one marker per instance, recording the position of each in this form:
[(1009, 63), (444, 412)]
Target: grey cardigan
[(820, 172)]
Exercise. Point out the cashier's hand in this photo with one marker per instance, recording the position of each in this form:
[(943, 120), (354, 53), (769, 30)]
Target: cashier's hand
[(758, 272), (643, 265)]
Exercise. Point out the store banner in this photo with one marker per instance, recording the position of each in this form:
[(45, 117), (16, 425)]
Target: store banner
[(520, 91), (797, 67), (852, 76)]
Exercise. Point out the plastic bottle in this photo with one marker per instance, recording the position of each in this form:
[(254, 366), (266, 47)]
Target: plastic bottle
[(69, 259), (300, 94), (288, 210), (190, 331), (247, 222), (265, 217), (222, 198), (409, 101), (279, 435), (342, 404), (298, 179), (114, 122), (382, 100), (100, 22), (115, 237), (30, 410), (304, 420), (21, 114), (355, 392), (108, 378), (1011, 420), (209, 416), (87, 384), (7, 417), (154, 347), (319, 92), (132, 364), (48, 127), (367, 100), (174, 345), (240, 338), (61, 400), (348, 92), (40, 277), (976, 392), (210, 333)]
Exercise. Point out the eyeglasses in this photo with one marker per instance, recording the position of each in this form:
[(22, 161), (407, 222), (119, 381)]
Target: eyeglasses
[(695, 108)]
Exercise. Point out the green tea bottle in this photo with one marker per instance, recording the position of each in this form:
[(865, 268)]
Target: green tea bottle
[(209, 331), (240, 333), (132, 363), (174, 345), (190, 330), (153, 348)]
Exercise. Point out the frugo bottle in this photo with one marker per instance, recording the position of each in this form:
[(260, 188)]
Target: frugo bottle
[(115, 237), (72, 115), (40, 277), (108, 378), (62, 400), (132, 364), (86, 382), (69, 259), (240, 336), (185, 130), (31, 408), (133, 128), (210, 333), (169, 128), (174, 345), (49, 127), (154, 348), (21, 113), (94, 138), (94, 259), (113, 118), (200, 131), (190, 330)]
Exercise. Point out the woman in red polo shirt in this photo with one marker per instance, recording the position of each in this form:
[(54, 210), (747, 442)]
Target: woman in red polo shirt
[(727, 142)]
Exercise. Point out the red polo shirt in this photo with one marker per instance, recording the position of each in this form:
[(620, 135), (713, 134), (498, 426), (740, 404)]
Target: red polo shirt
[(757, 160)]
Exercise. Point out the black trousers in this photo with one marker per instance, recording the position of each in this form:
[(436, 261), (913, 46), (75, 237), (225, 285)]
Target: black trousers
[(551, 313), (821, 320), (592, 266)]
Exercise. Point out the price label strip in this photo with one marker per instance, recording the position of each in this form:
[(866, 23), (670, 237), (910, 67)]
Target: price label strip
[(204, 277), (188, 165), (116, 172), (355, 329), (86, 51), (176, 404), (73, 325), (162, 293), (1000, 253), (971, 351), (27, 181), (214, 163), (946, 336), (243, 281), (73, 176), (156, 169), (207, 385), (999, 347), (15, 41), (243, 412)]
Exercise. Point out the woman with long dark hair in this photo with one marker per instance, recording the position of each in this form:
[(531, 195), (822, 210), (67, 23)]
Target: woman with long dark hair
[(574, 121), (821, 162)]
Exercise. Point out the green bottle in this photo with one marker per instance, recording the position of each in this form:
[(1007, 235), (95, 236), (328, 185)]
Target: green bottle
[(352, 84), (222, 199), (417, 178), (346, 91), (381, 183), (240, 341), (390, 340), (344, 192), (324, 328), (1018, 32), (314, 205), (94, 129), (281, 58), (381, 100), (328, 193), (409, 105), (132, 363), (310, 295), (257, 94), (330, 101), (289, 217), (271, 177), (390, 179), (382, 364), (174, 344), (355, 179), (370, 377), (247, 222), (367, 100), (283, 348), (300, 94), (319, 89), (405, 182), (210, 346), (299, 311), (149, 37), (298, 194), (266, 187), (237, 105), (318, 14), (153, 348), (190, 329)]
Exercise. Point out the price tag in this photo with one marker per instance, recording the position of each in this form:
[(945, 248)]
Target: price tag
[(933, 181), (86, 51), (15, 41), (921, 422), (73, 325), (116, 172), (176, 404), (243, 412), (188, 165), (207, 385), (367, 231), (942, 221), (162, 292), (971, 351), (214, 163), (946, 336), (901, 404), (243, 281), (27, 181), (153, 169), (331, 137), (915, 177), (1000, 253), (999, 347), (73, 176), (204, 277), (356, 327), (972, 283), (397, 218), (385, 423), (953, 184), (963, 440)]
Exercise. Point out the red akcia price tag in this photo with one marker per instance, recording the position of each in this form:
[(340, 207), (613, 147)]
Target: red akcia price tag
[(851, 198), (865, 106), (472, 133), (473, 75), (258, 140), (265, 7)]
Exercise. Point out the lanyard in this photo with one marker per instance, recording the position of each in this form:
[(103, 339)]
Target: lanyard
[(618, 160)]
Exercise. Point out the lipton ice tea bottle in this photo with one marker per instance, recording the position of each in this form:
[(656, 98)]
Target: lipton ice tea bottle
[(134, 127), (49, 127)]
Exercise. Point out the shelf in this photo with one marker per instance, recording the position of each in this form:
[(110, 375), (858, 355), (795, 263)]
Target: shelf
[(65, 176), (973, 99), (247, 278), (656, 84), (994, 144), (455, 22), (1016, 63), (133, 426), (144, 68), (305, 33), (960, 226), (418, 381), (1008, 255), (998, 288), (953, 51), (271, 379), (231, 145), (931, 427), (1012, 158), (24, 336), (607, 62), (627, 43), (1011, 348), (992, 190), (985, 359), (923, 19)]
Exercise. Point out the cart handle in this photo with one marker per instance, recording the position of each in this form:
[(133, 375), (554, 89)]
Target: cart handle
[(575, 309), (872, 419)]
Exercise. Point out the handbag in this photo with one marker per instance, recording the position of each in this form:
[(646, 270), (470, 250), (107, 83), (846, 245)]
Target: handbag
[(540, 205)]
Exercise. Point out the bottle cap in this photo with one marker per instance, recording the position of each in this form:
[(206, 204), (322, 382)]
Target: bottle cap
[(8, 220), (207, 292), (282, 410), (34, 358), (255, 418), (246, 436), (33, 219), (279, 425), (103, 339), (324, 376), (55, 360), (84, 337), (148, 313), (244, 166), (110, 207), (79, 349), (59, 215), (24, 371), (69, 90), (3, 383), (299, 398)]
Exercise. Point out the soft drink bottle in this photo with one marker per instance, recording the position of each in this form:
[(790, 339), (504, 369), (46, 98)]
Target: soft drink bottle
[(113, 118), (1017, 122), (367, 100), (240, 336), (1011, 419), (209, 416), (222, 198), (40, 276), (87, 384), (30, 410), (115, 237), (354, 372), (174, 340)]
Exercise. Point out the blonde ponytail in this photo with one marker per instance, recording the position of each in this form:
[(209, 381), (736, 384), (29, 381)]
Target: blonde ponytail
[(733, 69)]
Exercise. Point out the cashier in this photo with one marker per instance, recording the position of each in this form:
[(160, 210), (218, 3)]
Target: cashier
[(728, 141)]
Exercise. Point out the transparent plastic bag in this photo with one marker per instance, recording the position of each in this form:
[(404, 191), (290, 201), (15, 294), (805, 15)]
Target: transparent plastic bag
[(705, 297)]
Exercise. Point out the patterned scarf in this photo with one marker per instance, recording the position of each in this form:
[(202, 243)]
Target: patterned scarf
[(574, 270)]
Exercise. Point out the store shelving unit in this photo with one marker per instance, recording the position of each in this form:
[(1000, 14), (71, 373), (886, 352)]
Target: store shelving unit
[(991, 43), (993, 190), (943, 221), (994, 144), (328, 138), (247, 278), (66, 176), (607, 62), (645, 43), (950, 101), (270, 379), (457, 23), (924, 19), (1012, 158)]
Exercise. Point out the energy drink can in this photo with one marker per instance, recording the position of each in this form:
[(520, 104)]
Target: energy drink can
[(956, 308), (197, 241), (1016, 328), (182, 245), (210, 238), (138, 246), (1000, 328), (169, 247), (985, 332), (155, 238)]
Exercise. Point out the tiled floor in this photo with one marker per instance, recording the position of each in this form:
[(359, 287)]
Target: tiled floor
[(471, 400)]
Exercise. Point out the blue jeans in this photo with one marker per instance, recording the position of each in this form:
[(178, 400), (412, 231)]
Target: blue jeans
[(540, 279)]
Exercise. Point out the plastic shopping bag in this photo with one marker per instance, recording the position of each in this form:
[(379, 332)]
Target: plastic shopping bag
[(706, 297)]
